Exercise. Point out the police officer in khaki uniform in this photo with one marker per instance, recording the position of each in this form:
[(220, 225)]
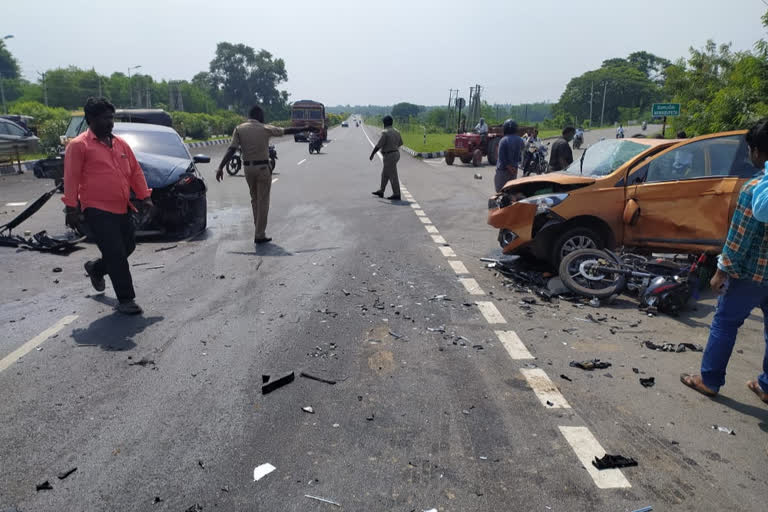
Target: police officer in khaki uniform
[(389, 144), (252, 137)]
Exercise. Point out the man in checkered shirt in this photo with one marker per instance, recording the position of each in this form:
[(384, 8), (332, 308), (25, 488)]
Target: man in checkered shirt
[(741, 280)]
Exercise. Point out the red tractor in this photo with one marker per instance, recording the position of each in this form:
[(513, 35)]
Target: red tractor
[(471, 147)]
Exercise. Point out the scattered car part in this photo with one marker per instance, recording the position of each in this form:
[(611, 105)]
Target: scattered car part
[(613, 461), (272, 384)]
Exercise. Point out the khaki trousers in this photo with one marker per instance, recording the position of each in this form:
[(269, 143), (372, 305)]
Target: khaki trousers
[(259, 180), (389, 172)]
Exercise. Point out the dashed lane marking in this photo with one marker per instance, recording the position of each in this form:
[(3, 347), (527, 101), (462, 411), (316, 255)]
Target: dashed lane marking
[(35, 342), (544, 389), (23, 203), (415, 206), (515, 347), (447, 251), (491, 313), (458, 267), (471, 286), (425, 220), (302, 162), (431, 229), (438, 239), (587, 448), (420, 213), (275, 179)]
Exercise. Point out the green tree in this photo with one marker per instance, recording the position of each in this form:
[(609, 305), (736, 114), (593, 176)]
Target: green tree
[(402, 112), (9, 66)]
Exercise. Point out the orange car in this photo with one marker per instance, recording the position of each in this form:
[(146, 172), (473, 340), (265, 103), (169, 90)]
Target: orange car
[(664, 195)]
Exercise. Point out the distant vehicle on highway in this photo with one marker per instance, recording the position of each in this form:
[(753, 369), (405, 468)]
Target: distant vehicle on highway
[(344, 124), (308, 112), (15, 139), (660, 195)]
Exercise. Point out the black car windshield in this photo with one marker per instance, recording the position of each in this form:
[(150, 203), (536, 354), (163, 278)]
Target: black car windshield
[(606, 156), (158, 143)]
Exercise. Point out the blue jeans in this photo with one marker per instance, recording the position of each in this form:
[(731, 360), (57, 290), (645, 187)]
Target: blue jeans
[(733, 307)]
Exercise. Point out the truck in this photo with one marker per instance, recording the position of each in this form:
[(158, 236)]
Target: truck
[(308, 112)]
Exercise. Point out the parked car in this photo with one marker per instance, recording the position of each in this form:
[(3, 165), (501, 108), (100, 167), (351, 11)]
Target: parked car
[(344, 124), (15, 139), (663, 195)]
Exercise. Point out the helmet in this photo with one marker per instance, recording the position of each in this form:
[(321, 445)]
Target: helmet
[(482, 120), (510, 127)]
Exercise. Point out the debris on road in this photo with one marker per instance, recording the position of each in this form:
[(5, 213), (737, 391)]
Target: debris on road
[(565, 377), (269, 385), (648, 383), (724, 430), (396, 336), (260, 472), (65, 474), (323, 500), (45, 486), (613, 461), (168, 248), (308, 409), (671, 347), (314, 377), (195, 508), (56, 269), (157, 499), (345, 292), (644, 509), (370, 417), (439, 297), (143, 362), (155, 267), (440, 329), (478, 176), (589, 365)]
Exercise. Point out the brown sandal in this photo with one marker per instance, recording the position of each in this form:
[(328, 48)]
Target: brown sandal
[(756, 389), (694, 382)]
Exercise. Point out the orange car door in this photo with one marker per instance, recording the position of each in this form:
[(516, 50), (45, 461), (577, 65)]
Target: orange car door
[(683, 198)]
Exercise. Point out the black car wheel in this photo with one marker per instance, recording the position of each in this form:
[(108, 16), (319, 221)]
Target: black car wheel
[(573, 240)]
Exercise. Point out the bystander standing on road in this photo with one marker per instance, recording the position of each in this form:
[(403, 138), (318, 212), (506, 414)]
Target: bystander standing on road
[(100, 170), (562, 155), (741, 279), (389, 144), (252, 137), (510, 153)]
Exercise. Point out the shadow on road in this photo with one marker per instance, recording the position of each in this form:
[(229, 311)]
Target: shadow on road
[(114, 332), (264, 250), (760, 413)]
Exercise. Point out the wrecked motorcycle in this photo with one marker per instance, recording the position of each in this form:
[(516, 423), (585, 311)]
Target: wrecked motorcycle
[(662, 284), (236, 162)]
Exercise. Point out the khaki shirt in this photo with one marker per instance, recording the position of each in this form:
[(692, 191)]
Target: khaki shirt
[(390, 140), (253, 139)]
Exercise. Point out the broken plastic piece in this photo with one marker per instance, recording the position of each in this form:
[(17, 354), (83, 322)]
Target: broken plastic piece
[(644, 509), (318, 379), (45, 486), (565, 377), (322, 500), (65, 474), (260, 472), (589, 365), (613, 461), (309, 409), (395, 335), (279, 382), (648, 383)]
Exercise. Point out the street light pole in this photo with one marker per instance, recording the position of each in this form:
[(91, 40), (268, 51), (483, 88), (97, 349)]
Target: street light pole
[(130, 89), (2, 89), (602, 113)]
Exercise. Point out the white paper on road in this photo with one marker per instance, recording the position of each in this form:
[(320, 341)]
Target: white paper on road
[(261, 471)]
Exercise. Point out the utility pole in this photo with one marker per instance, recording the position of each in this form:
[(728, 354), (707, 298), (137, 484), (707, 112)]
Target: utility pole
[(591, 100), (45, 89), (605, 91), (130, 88), (179, 99), (170, 97), (149, 96), (2, 94)]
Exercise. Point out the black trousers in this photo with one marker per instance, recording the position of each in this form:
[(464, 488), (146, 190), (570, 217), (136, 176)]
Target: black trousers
[(115, 236)]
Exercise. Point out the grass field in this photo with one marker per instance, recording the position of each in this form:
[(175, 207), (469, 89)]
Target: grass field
[(435, 141)]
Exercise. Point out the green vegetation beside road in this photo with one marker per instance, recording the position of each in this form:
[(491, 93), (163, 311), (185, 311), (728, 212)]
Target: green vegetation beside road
[(435, 141)]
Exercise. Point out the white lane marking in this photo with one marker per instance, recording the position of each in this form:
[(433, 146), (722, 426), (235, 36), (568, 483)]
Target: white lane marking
[(431, 229), (425, 220), (458, 267), (515, 347), (302, 162), (35, 342), (438, 239), (415, 206), (491, 313), (372, 144), (275, 179), (545, 390), (16, 204), (471, 286), (447, 252), (587, 448), (420, 213)]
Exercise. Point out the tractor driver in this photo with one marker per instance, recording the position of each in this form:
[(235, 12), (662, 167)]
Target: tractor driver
[(482, 129)]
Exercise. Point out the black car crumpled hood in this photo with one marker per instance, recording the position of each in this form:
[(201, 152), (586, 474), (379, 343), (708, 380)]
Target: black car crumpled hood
[(160, 170)]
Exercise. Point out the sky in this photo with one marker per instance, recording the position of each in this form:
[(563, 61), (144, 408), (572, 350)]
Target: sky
[(382, 52)]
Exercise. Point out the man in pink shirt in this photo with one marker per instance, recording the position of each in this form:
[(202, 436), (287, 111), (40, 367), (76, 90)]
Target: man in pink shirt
[(100, 170)]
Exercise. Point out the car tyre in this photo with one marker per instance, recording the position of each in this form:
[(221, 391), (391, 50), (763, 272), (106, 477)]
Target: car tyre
[(572, 240)]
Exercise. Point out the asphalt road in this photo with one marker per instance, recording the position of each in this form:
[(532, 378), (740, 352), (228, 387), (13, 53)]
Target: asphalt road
[(350, 291)]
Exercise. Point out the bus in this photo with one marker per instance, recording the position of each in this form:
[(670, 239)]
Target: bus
[(308, 112)]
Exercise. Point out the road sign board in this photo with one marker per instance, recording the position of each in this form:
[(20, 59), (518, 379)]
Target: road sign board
[(461, 103), (665, 109)]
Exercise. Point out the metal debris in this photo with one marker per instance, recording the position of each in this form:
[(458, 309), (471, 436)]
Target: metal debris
[(314, 377), (724, 430), (45, 486), (322, 500), (270, 385), (308, 409), (65, 474), (143, 362), (671, 347), (168, 248), (649, 382), (589, 365)]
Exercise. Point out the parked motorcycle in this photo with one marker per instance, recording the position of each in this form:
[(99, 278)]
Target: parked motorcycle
[(645, 125), (236, 162), (578, 140), (315, 143), (535, 158)]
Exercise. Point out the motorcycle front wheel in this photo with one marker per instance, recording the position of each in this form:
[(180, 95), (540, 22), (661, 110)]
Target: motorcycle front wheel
[(579, 273), (234, 165)]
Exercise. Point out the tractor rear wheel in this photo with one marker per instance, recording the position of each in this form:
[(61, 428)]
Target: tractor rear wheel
[(493, 151), (449, 158), (477, 158)]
